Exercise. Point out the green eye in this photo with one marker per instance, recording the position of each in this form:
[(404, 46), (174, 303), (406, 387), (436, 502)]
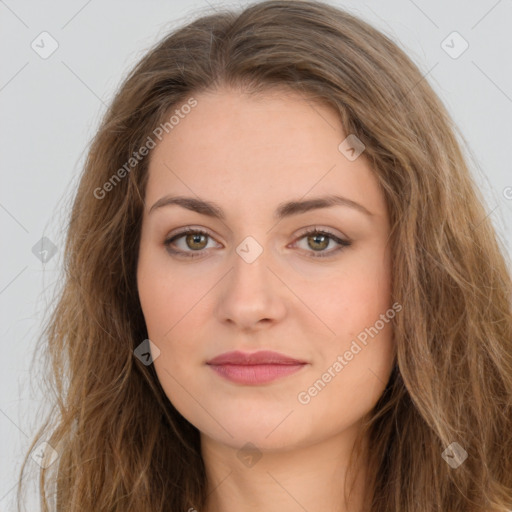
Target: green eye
[(319, 240)]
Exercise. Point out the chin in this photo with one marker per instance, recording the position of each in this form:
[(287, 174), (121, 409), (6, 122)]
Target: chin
[(266, 433), (251, 439)]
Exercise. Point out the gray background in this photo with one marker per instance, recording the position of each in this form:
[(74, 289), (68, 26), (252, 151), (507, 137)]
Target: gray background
[(51, 107)]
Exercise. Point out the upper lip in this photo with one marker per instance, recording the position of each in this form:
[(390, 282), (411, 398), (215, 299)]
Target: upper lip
[(261, 357)]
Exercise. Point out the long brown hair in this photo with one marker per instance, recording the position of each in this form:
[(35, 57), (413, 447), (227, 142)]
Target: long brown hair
[(121, 445)]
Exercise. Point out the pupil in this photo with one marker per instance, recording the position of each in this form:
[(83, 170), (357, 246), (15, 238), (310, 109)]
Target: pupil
[(324, 245), (196, 238)]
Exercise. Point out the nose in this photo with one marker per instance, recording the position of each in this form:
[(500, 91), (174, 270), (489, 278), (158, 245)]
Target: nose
[(251, 296)]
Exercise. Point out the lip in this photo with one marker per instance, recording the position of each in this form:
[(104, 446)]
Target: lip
[(255, 358), (256, 368)]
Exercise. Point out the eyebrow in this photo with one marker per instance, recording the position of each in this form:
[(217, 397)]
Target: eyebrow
[(283, 210)]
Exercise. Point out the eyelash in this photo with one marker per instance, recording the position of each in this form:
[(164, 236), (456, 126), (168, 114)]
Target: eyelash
[(315, 231)]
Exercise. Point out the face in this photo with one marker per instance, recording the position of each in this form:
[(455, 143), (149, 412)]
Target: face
[(257, 277)]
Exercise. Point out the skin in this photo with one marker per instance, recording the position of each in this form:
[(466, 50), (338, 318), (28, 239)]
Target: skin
[(248, 154)]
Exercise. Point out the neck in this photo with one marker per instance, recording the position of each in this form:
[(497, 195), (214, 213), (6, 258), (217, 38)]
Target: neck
[(291, 479)]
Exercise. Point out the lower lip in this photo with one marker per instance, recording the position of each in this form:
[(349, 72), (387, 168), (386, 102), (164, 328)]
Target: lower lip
[(255, 374)]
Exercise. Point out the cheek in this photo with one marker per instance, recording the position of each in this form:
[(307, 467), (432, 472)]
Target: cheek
[(169, 298), (165, 307), (342, 398), (171, 314), (354, 363), (173, 303), (353, 299), (358, 308), (169, 311)]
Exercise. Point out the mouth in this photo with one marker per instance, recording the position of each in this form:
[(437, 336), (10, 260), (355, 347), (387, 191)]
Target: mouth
[(254, 369), (255, 373)]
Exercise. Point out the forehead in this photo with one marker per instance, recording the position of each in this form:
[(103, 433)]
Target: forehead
[(258, 150)]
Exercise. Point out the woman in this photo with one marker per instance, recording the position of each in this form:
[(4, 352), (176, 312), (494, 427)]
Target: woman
[(282, 289)]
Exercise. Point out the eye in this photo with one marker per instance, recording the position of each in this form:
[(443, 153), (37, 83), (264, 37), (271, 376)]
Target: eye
[(319, 239), (196, 240)]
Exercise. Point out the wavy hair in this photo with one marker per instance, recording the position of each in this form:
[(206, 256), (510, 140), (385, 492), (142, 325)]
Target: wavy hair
[(121, 444)]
